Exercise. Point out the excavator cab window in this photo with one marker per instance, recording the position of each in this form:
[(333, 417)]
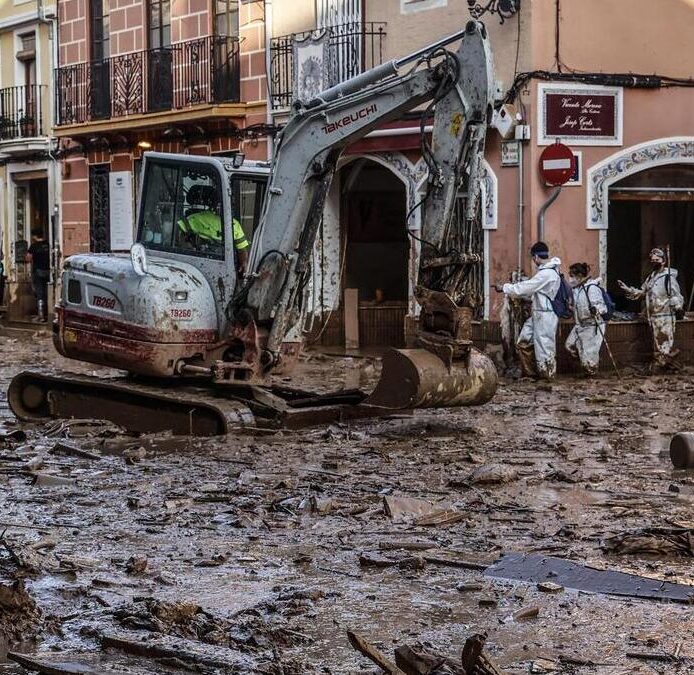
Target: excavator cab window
[(247, 195), (182, 210)]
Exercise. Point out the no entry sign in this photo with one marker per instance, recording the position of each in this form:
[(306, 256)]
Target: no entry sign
[(557, 164)]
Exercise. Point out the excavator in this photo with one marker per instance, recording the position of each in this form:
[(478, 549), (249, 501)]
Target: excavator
[(200, 341)]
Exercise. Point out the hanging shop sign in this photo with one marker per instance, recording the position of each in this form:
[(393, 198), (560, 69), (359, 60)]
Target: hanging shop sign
[(580, 114)]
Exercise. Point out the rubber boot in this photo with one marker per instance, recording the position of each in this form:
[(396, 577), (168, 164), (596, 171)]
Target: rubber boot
[(526, 354)]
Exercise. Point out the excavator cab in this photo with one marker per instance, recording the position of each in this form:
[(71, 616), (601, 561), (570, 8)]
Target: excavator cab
[(147, 318)]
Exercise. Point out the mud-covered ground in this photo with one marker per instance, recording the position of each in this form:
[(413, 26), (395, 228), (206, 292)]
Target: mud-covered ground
[(265, 549)]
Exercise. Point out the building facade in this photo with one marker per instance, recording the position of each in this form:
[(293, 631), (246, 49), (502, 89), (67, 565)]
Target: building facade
[(610, 80), (167, 75), (29, 173)]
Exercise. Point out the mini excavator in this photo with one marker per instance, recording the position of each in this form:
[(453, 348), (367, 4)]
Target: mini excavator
[(200, 341)]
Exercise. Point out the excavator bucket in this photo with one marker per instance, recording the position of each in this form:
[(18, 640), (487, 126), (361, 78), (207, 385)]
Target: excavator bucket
[(417, 378)]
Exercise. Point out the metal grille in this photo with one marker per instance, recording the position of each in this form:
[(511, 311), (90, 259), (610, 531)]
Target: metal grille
[(353, 48), (21, 111), (335, 12), (177, 76), (99, 217)]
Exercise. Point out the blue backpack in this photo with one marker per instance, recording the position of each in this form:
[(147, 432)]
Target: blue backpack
[(563, 302), (609, 303)]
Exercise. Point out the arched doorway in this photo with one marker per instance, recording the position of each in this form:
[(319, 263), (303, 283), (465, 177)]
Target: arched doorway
[(372, 217), (654, 207)]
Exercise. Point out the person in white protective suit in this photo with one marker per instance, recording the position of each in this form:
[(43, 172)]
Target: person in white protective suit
[(662, 298), (586, 337), (537, 341)]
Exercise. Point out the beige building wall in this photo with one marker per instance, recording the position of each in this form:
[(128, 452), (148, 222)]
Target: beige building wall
[(621, 36), (20, 154), (411, 30), (292, 17)]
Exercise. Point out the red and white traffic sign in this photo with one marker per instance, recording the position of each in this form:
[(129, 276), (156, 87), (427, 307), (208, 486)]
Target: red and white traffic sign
[(557, 164)]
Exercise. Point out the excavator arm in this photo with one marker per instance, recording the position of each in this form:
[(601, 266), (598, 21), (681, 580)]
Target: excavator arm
[(459, 87)]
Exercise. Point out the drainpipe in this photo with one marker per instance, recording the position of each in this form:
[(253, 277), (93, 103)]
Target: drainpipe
[(54, 217), (268, 74), (521, 206), (543, 210)]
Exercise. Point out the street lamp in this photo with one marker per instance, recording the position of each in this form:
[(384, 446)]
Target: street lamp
[(504, 8)]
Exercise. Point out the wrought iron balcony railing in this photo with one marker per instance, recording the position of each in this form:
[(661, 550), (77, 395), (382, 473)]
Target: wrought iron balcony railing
[(21, 111), (353, 48), (178, 76)]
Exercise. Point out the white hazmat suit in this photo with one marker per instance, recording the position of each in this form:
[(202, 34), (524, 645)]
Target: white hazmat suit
[(585, 339), (537, 342), (662, 298)]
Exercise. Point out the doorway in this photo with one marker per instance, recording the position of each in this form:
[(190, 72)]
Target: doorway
[(651, 208), (373, 213), (31, 223)]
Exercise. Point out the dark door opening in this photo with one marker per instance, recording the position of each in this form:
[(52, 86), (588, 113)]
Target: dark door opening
[(377, 252), (651, 208)]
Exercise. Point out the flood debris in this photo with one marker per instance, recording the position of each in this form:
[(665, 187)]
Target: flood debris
[(530, 612), (420, 660), (70, 449), (540, 569), (420, 512), (136, 564), (658, 541), (493, 474), (20, 617), (51, 480)]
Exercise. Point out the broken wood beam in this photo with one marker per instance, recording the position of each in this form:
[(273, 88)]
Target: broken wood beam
[(368, 650)]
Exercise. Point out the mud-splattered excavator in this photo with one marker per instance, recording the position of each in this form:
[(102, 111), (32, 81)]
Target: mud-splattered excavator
[(200, 341)]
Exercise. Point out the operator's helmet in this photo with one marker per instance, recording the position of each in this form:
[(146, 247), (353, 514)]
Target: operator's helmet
[(203, 197)]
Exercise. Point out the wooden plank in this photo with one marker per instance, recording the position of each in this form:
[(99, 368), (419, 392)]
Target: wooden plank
[(351, 307), (368, 650)]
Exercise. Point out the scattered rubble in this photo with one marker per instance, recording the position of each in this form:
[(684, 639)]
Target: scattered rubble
[(256, 553)]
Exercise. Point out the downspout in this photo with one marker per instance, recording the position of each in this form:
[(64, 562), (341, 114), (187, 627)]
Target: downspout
[(54, 220), (543, 210), (268, 74), (521, 207)]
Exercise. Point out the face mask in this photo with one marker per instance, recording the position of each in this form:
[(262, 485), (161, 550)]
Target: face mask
[(656, 263)]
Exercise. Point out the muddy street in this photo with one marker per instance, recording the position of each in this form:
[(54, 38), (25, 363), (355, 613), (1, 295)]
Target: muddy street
[(258, 552)]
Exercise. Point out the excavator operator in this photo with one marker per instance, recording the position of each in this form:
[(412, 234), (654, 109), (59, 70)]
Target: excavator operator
[(206, 224)]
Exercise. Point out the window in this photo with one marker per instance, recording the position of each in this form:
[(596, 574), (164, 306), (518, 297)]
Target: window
[(247, 195), (182, 210), (25, 101), (99, 52), (100, 31), (226, 18), (159, 23)]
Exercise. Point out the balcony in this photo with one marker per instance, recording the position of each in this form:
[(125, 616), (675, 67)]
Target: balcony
[(179, 76), (352, 49), (21, 111)]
